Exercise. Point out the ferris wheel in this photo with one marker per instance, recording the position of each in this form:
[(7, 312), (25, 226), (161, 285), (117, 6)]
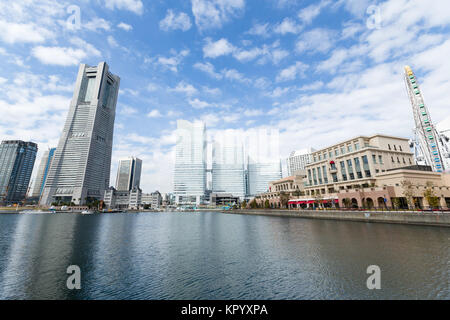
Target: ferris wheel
[(429, 145)]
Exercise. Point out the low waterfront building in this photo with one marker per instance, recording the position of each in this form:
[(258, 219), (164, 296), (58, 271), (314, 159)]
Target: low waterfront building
[(280, 191), (364, 172), (116, 199), (153, 200), (223, 199)]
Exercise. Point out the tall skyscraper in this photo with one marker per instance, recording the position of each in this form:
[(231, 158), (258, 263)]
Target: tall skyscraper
[(228, 167), (129, 174), (16, 165), (297, 160), (42, 173), (264, 163), (82, 162), (190, 162)]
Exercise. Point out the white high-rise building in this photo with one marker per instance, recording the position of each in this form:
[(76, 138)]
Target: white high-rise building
[(190, 162), (81, 166), (129, 174), (228, 167), (298, 160), (264, 165), (42, 173)]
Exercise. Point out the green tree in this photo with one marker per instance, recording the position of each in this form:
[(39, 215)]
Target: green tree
[(408, 192), (267, 204), (284, 199), (244, 204), (432, 199), (253, 204)]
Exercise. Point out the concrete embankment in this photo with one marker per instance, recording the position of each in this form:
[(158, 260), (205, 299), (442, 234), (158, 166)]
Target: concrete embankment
[(440, 219)]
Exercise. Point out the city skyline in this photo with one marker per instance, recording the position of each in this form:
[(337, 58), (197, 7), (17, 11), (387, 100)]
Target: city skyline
[(231, 70)]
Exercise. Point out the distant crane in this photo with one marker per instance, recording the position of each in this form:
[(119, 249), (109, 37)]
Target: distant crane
[(429, 145)]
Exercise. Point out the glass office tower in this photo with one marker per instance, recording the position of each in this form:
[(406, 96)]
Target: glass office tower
[(16, 166), (228, 167), (80, 170), (42, 173), (129, 174), (190, 162), (263, 158)]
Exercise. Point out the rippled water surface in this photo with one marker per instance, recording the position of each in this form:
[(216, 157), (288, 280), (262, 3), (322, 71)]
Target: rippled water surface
[(218, 256)]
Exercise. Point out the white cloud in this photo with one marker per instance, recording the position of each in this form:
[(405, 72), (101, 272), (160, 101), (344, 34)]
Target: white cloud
[(218, 48), (287, 26), (291, 73), (112, 42), (210, 14), (135, 6), (154, 114), (316, 40), (233, 74), (198, 104), (308, 14), (208, 68), (186, 88), (174, 21), (171, 63), (23, 33), (97, 24), (125, 26), (259, 30), (65, 56)]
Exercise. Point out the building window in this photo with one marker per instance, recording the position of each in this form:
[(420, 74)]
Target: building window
[(349, 148), (400, 147), (356, 146), (336, 152), (395, 148), (342, 150), (380, 159), (389, 146), (350, 169), (393, 161), (343, 171), (374, 159)]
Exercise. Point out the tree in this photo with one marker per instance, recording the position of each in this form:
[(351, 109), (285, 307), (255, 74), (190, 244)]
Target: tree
[(432, 199), (284, 199), (347, 202), (408, 192), (244, 204), (253, 204), (267, 204), (396, 203), (318, 199)]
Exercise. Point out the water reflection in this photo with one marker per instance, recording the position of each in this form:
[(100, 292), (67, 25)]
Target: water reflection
[(217, 256)]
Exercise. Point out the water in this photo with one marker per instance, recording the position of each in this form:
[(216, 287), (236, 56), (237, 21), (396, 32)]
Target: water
[(218, 256)]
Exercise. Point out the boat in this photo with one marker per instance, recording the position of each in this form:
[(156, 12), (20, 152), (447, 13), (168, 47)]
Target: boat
[(87, 212), (34, 211)]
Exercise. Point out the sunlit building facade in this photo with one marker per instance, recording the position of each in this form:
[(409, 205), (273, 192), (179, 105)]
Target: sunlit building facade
[(129, 174), (42, 173), (190, 163), (228, 167), (16, 165), (80, 170)]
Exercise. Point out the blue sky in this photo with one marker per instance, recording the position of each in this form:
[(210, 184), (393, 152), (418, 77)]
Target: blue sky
[(318, 71)]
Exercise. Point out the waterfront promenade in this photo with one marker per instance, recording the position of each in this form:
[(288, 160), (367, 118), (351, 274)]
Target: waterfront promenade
[(435, 218)]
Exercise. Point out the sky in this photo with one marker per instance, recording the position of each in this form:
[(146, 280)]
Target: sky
[(318, 71)]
